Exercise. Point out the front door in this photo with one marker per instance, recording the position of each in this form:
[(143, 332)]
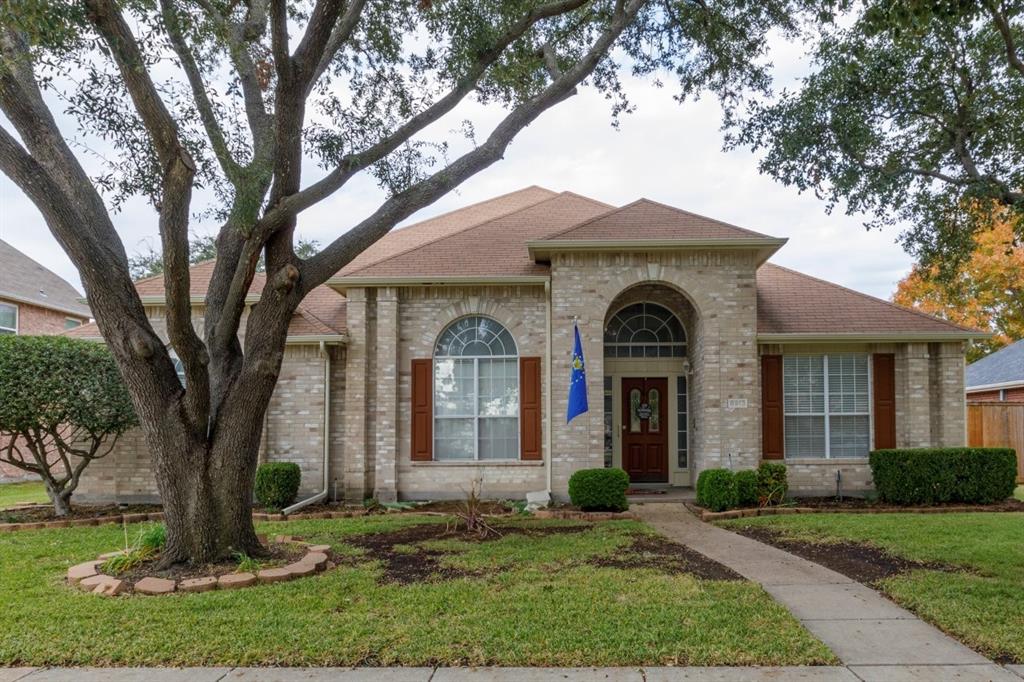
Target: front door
[(645, 430)]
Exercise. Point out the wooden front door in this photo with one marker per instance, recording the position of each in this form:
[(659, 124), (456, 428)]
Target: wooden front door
[(645, 430)]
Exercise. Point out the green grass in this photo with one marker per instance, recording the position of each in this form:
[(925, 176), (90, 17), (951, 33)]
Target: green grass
[(981, 606), (546, 606), (1019, 492), (12, 494)]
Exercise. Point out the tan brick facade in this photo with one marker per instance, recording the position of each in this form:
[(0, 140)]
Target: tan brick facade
[(712, 292)]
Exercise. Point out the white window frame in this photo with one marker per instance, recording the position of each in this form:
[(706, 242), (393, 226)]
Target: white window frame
[(17, 317), (76, 323), (476, 417), (827, 413)]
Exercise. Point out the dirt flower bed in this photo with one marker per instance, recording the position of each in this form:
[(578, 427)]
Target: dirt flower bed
[(277, 555), (43, 513), (851, 505), (857, 561)]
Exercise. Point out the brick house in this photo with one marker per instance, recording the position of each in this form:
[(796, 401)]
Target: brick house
[(34, 301), (441, 356), (998, 376)]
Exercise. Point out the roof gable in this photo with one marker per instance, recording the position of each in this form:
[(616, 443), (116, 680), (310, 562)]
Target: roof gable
[(1006, 365), (645, 219), (491, 248), (789, 302), (26, 281)]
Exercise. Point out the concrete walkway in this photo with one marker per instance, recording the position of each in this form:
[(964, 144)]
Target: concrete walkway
[(871, 635), (747, 674)]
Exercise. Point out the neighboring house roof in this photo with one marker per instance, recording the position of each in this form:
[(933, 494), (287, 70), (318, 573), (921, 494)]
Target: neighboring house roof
[(792, 303), (26, 281), (321, 313), (1003, 368)]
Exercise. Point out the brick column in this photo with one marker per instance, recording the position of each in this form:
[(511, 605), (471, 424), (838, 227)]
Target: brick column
[(948, 408), (386, 379), (356, 361), (918, 396)]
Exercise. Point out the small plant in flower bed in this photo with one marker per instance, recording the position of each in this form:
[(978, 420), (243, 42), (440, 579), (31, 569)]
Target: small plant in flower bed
[(147, 545), (716, 489), (277, 484), (246, 564), (772, 484), (599, 489)]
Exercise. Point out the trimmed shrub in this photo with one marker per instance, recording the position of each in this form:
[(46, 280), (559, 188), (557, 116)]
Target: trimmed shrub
[(936, 475), (277, 484), (772, 484), (746, 488), (716, 489), (599, 489)]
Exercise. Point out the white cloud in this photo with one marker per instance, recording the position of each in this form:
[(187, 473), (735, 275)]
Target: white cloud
[(665, 151)]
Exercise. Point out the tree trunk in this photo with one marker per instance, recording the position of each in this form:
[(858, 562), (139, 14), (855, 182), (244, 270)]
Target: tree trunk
[(60, 499)]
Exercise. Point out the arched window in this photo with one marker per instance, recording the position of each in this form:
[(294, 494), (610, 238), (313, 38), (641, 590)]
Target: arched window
[(644, 330), (476, 392)]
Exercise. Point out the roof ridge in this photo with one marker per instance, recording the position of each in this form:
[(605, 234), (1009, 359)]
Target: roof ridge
[(137, 282), (872, 298), (704, 217), (467, 229), (578, 225)]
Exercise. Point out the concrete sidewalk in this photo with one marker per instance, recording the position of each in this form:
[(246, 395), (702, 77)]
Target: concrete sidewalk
[(872, 636), (654, 674)]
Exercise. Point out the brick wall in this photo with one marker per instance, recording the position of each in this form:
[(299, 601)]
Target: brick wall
[(1013, 395), (35, 320)]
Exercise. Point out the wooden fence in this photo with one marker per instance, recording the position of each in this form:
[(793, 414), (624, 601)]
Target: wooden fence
[(997, 425)]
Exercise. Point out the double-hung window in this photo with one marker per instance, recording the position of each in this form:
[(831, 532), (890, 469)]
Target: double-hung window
[(476, 392), (8, 318), (827, 403)]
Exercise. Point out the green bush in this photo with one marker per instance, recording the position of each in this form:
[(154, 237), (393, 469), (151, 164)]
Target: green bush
[(716, 489), (746, 488), (772, 484), (936, 475), (599, 489), (277, 484)]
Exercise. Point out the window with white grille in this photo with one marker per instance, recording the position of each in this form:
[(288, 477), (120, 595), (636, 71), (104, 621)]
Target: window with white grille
[(827, 404)]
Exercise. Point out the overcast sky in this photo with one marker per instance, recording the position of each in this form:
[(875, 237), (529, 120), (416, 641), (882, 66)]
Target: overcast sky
[(664, 151)]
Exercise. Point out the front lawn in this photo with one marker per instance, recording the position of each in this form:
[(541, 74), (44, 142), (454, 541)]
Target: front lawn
[(980, 605), (12, 494), (544, 593)]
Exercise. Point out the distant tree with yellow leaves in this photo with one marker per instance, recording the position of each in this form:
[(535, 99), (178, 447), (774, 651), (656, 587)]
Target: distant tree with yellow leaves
[(985, 292)]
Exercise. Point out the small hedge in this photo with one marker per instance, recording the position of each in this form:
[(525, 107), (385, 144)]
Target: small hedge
[(599, 489), (936, 475), (746, 488), (716, 489), (772, 484), (277, 484)]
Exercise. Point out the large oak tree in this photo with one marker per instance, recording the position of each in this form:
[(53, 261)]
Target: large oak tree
[(234, 96)]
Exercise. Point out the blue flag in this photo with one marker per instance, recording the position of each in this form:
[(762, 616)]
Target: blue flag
[(577, 380)]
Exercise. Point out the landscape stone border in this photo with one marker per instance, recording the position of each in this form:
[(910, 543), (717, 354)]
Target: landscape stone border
[(705, 515), (159, 516), (87, 577), (576, 515)]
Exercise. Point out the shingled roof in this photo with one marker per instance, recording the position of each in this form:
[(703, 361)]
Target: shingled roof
[(321, 313), (26, 281), (1005, 366), (789, 302)]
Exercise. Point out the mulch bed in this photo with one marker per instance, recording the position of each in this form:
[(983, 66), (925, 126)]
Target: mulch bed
[(277, 554), (857, 561), (651, 551), (43, 513), (848, 503)]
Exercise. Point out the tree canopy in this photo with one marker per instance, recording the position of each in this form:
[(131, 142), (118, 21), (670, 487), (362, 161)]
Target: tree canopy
[(62, 405), (985, 292), (914, 111)]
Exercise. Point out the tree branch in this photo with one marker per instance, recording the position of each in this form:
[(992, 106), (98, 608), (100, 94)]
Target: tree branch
[(339, 36), (1003, 26), (318, 268)]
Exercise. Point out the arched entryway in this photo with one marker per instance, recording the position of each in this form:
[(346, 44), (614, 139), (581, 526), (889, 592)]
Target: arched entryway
[(650, 331)]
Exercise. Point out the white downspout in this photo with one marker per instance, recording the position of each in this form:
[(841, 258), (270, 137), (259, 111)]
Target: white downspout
[(327, 437), (547, 397)]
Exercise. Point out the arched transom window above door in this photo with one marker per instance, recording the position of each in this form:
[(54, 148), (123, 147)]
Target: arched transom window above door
[(476, 392), (644, 330)]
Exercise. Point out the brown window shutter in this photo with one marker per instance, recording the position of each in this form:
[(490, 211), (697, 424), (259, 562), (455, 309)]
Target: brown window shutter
[(422, 410), (529, 409), (772, 442), (884, 390)]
